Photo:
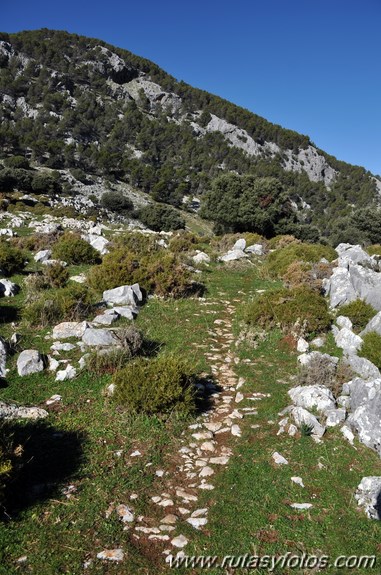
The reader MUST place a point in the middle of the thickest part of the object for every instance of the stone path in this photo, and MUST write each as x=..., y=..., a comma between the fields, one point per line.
x=205, y=448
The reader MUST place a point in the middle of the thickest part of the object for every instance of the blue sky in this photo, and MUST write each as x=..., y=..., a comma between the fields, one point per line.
x=310, y=65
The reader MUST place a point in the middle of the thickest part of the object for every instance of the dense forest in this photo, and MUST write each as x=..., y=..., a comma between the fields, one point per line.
x=70, y=102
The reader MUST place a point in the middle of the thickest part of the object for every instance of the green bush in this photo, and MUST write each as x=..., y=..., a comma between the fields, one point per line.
x=374, y=250
x=71, y=303
x=359, y=312
x=17, y=162
x=72, y=249
x=279, y=260
x=161, y=218
x=160, y=386
x=371, y=348
x=183, y=243
x=117, y=202
x=158, y=273
x=12, y=260
x=44, y=183
x=55, y=276
x=285, y=308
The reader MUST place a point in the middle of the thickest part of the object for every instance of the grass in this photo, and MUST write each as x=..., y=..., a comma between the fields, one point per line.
x=87, y=442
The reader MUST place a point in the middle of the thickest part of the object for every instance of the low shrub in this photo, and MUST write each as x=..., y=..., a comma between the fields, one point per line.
x=301, y=273
x=55, y=276
x=156, y=386
x=371, y=348
x=159, y=273
x=36, y=242
x=72, y=249
x=17, y=162
x=302, y=311
x=71, y=303
x=183, y=243
x=359, y=312
x=44, y=183
x=281, y=241
x=159, y=217
x=12, y=260
x=117, y=202
x=374, y=250
x=138, y=243
x=279, y=260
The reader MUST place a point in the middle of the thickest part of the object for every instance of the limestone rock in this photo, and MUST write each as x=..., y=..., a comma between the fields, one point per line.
x=68, y=329
x=255, y=249
x=19, y=412
x=123, y=295
x=279, y=459
x=312, y=396
x=68, y=373
x=368, y=496
x=348, y=341
x=29, y=361
x=3, y=358
x=362, y=366
x=303, y=417
x=42, y=256
x=99, y=338
x=8, y=288
x=201, y=257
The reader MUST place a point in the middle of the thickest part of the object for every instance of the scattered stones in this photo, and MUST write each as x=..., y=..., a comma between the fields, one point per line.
x=179, y=541
x=68, y=373
x=298, y=481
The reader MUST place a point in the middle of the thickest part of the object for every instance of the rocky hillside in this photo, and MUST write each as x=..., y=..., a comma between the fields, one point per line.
x=71, y=103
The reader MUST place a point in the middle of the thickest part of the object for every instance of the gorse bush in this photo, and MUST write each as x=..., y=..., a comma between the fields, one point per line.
x=71, y=303
x=156, y=386
x=12, y=260
x=301, y=310
x=278, y=261
x=306, y=274
x=72, y=249
x=371, y=348
x=55, y=276
x=359, y=312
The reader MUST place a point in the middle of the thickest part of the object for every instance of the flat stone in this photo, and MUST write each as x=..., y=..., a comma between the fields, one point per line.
x=179, y=541
x=279, y=459
x=111, y=555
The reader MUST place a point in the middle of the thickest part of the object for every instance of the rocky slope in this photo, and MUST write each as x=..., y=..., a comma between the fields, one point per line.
x=70, y=102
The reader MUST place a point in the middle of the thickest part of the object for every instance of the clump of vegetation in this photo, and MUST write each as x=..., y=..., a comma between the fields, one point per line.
x=159, y=217
x=183, y=242
x=157, y=386
x=158, y=273
x=72, y=249
x=55, y=276
x=71, y=303
x=12, y=260
x=306, y=274
x=371, y=348
x=374, y=250
x=117, y=202
x=322, y=371
x=301, y=310
x=359, y=312
x=282, y=241
x=36, y=242
x=279, y=261
x=17, y=162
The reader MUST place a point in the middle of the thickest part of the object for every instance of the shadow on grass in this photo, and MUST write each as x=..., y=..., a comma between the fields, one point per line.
x=45, y=457
x=9, y=313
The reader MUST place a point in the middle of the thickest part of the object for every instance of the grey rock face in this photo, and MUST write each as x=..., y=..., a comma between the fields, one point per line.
x=368, y=496
x=362, y=366
x=366, y=415
x=353, y=254
x=123, y=295
x=362, y=391
x=99, y=338
x=374, y=324
x=303, y=417
x=19, y=412
x=29, y=361
x=312, y=396
x=347, y=340
x=68, y=329
x=8, y=288
x=335, y=417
